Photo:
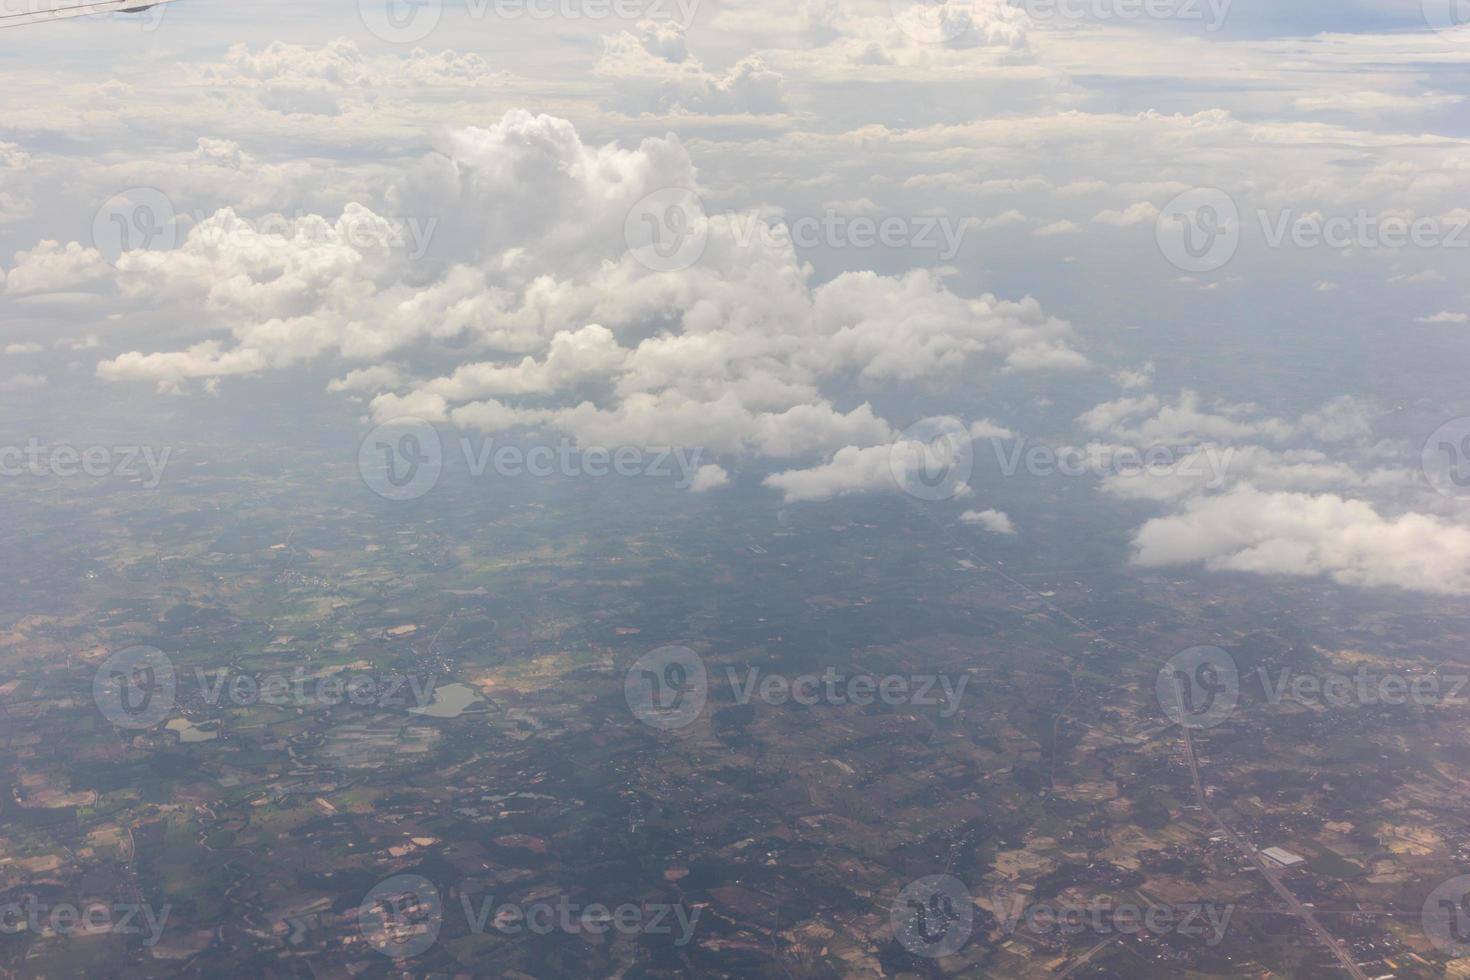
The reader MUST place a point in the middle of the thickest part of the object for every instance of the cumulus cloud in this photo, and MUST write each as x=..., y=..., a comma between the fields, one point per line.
x=1141, y=378
x=558, y=323
x=573, y=355
x=1146, y=421
x=1341, y=419
x=319, y=79
x=1055, y=228
x=203, y=360
x=954, y=37
x=986, y=429
x=709, y=477
x=653, y=72
x=53, y=267
x=23, y=382
x=1006, y=219
x=14, y=205
x=1130, y=473
x=903, y=463
x=1137, y=214
x=1298, y=534
x=1245, y=492
x=525, y=309
x=992, y=520
x=851, y=470
x=374, y=378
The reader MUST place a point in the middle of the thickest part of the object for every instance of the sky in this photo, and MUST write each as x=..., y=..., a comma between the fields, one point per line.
x=830, y=243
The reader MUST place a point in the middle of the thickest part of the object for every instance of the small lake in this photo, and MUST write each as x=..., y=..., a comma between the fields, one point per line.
x=190, y=732
x=449, y=701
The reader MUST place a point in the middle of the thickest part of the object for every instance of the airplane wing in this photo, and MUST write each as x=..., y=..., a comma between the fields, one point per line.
x=18, y=13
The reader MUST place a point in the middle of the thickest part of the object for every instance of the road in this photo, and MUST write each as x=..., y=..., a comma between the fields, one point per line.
x=1241, y=844
x=1082, y=960
x=1292, y=902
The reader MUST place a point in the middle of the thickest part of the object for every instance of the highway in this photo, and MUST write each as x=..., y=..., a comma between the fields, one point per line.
x=1292, y=902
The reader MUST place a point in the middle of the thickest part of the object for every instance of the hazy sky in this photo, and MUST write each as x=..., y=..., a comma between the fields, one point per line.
x=788, y=233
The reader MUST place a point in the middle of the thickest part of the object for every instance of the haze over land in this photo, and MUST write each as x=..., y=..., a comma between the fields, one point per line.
x=777, y=465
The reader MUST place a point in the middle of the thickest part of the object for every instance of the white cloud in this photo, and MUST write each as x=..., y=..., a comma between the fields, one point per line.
x=883, y=467
x=374, y=378
x=851, y=470
x=709, y=477
x=1146, y=421
x=1298, y=534
x=559, y=326
x=1006, y=219
x=53, y=267
x=1141, y=378
x=525, y=310
x=203, y=360
x=1339, y=420
x=992, y=520
x=1289, y=508
x=320, y=80
x=654, y=72
x=1136, y=214
x=23, y=382
x=986, y=429
x=1063, y=227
